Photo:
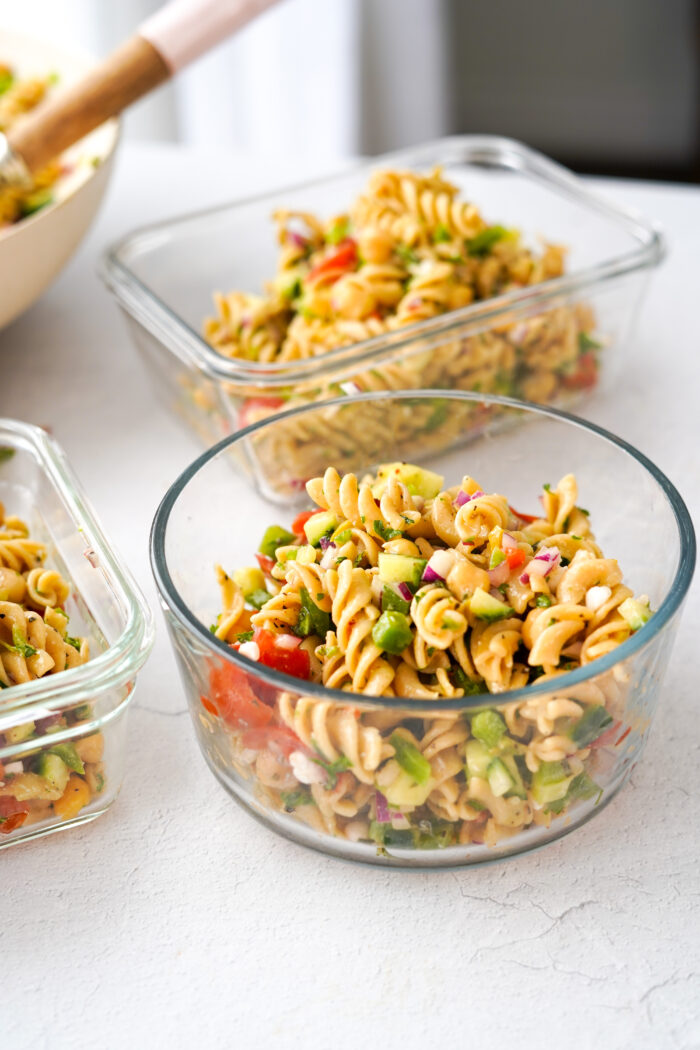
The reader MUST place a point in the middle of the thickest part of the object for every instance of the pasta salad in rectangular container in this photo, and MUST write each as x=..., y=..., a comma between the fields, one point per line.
x=471, y=263
x=74, y=631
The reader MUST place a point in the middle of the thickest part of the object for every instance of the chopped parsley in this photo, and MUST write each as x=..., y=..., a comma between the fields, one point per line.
x=339, y=765
x=75, y=642
x=441, y=234
x=385, y=531
x=292, y=799
x=407, y=255
x=586, y=342
x=543, y=601
x=484, y=241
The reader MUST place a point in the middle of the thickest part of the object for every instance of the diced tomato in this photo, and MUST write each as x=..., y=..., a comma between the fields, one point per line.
x=515, y=558
x=233, y=699
x=624, y=736
x=275, y=652
x=301, y=520
x=12, y=814
x=585, y=375
x=523, y=517
x=265, y=562
x=277, y=738
x=208, y=705
x=336, y=264
x=256, y=408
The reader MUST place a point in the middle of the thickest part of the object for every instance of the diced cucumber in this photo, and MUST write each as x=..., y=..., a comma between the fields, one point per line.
x=581, y=788
x=410, y=759
x=518, y=787
x=393, y=601
x=69, y=755
x=273, y=537
x=500, y=780
x=418, y=480
x=406, y=792
x=478, y=759
x=400, y=568
x=486, y=607
x=392, y=632
x=385, y=835
x=635, y=612
x=258, y=598
x=16, y=734
x=488, y=726
x=53, y=770
x=590, y=725
x=320, y=525
x=249, y=580
x=550, y=783
x=82, y=712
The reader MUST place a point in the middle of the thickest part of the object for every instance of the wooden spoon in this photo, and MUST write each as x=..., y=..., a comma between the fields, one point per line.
x=166, y=42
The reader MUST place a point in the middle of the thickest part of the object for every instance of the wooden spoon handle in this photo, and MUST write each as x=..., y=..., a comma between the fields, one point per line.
x=177, y=34
x=131, y=71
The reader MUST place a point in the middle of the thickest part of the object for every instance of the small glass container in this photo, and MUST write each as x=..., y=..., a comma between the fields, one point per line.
x=549, y=343
x=589, y=725
x=78, y=714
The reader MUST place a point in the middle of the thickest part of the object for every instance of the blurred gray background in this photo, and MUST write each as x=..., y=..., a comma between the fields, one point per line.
x=608, y=86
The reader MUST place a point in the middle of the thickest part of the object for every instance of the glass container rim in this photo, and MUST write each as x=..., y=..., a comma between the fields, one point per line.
x=158, y=318
x=671, y=603
x=121, y=660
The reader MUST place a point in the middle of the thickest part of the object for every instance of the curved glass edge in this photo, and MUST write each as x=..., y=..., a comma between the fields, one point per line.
x=639, y=640
x=151, y=312
x=121, y=660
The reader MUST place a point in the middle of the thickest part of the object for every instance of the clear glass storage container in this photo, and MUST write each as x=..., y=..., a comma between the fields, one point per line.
x=62, y=735
x=549, y=343
x=588, y=725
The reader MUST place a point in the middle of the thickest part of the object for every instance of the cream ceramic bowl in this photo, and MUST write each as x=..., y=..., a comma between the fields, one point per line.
x=33, y=251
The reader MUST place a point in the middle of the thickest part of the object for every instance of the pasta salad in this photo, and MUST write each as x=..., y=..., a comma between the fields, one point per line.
x=19, y=95
x=35, y=642
x=396, y=586
x=409, y=249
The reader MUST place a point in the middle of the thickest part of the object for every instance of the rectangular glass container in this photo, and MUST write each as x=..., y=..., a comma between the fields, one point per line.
x=80, y=710
x=550, y=343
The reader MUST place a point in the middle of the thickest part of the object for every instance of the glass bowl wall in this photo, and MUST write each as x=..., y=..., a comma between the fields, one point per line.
x=551, y=343
x=219, y=508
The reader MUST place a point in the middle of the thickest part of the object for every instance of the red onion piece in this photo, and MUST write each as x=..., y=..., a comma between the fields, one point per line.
x=325, y=542
x=438, y=567
x=405, y=592
x=543, y=562
x=382, y=808
x=509, y=544
x=287, y=641
x=297, y=240
x=464, y=497
x=500, y=574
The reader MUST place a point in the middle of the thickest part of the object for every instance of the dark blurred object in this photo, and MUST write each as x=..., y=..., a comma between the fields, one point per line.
x=610, y=88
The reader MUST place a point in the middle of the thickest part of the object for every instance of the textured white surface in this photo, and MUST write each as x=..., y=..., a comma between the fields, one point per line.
x=175, y=920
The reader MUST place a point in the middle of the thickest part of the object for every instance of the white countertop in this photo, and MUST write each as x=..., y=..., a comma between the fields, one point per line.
x=176, y=920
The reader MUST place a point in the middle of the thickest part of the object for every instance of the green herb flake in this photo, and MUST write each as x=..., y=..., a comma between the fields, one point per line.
x=587, y=342
x=75, y=642
x=543, y=601
x=244, y=636
x=292, y=799
x=483, y=242
x=407, y=255
x=385, y=531
x=441, y=234
x=332, y=768
x=338, y=232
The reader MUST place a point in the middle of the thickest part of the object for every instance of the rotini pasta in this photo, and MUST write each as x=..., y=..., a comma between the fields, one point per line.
x=452, y=593
x=409, y=249
x=34, y=644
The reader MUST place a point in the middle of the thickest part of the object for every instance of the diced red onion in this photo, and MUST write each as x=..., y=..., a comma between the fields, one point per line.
x=382, y=808
x=464, y=497
x=438, y=567
x=349, y=387
x=325, y=543
x=297, y=240
x=544, y=561
x=500, y=574
x=328, y=556
x=405, y=591
x=509, y=544
x=287, y=641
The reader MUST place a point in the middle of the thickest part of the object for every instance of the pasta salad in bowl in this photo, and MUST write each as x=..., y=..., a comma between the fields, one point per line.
x=428, y=665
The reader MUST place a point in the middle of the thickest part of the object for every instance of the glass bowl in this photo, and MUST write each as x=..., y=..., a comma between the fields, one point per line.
x=552, y=342
x=218, y=509
x=75, y=719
